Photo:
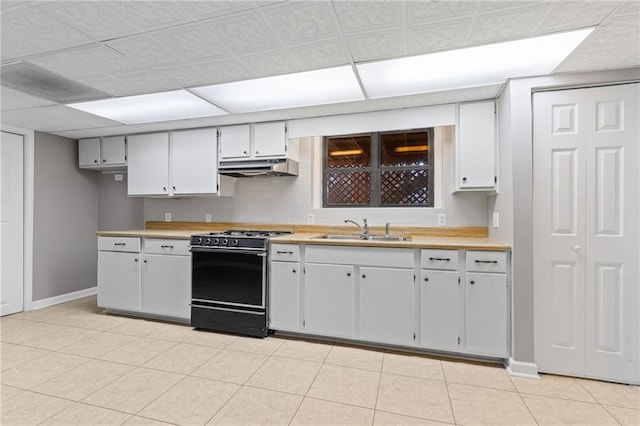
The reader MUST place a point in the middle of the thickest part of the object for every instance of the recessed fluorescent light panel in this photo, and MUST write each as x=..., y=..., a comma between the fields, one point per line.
x=327, y=86
x=165, y=106
x=469, y=67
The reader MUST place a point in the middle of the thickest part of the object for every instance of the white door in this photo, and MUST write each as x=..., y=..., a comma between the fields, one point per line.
x=587, y=233
x=194, y=161
x=235, y=141
x=166, y=285
x=11, y=223
x=148, y=168
x=89, y=152
x=284, y=296
x=440, y=314
x=114, y=151
x=269, y=140
x=119, y=280
x=486, y=314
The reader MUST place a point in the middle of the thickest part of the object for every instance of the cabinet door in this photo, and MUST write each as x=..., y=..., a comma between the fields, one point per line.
x=194, y=162
x=386, y=305
x=284, y=296
x=235, y=141
x=269, y=140
x=486, y=316
x=114, y=151
x=89, y=152
x=148, y=169
x=166, y=285
x=440, y=307
x=119, y=280
x=476, y=145
x=329, y=300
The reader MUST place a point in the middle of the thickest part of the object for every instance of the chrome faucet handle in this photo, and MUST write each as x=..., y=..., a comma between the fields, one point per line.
x=365, y=228
x=386, y=229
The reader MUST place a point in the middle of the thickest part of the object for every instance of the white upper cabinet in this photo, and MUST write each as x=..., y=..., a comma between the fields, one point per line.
x=102, y=153
x=194, y=162
x=235, y=141
x=476, y=147
x=270, y=140
x=148, y=164
x=177, y=163
x=250, y=141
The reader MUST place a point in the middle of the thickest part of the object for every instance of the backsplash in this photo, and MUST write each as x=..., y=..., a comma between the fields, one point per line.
x=291, y=200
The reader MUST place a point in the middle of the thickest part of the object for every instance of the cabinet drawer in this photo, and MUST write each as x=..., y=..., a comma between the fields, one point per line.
x=487, y=261
x=166, y=246
x=364, y=256
x=128, y=244
x=285, y=252
x=439, y=259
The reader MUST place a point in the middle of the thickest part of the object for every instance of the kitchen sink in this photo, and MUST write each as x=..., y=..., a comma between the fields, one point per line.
x=360, y=237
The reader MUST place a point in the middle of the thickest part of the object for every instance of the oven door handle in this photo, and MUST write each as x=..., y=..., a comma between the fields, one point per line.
x=260, y=253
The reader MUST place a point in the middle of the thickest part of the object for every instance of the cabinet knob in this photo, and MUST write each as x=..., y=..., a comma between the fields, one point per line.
x=164, y=188
x=294, y=271
x=426, y=279
x=364, y=276
x=95, y=161
x=245, y=152
x=135, y=260
x=104, y=161
x=257, y=152
x=576, y=248
x=464, y=179
x=348, y=274
x=145, y=261
x=174, y=188
x=472, y=282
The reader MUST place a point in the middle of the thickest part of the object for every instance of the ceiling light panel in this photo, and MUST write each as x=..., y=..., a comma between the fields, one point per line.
x=332, y=85
x=174, y=105
x=469, y=67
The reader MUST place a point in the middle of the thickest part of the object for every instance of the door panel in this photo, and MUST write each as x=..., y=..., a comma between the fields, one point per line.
x=587, y=272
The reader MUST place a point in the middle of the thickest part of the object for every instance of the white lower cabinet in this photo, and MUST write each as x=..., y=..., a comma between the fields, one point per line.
x=386, y=305
x=166, y=285
x=440, y=310
x=486, y=314
x=284, y=296
x=329, y=299
x=119, y=280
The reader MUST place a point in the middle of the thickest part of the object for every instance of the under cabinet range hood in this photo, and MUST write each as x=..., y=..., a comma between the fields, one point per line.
x=259, y=168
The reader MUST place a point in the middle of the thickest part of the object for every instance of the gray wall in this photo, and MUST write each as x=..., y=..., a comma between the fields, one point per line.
x=65, y=219
x=517, y=200
x=116, y=210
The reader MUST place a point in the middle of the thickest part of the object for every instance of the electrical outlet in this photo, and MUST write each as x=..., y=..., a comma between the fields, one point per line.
x=167, y=217
x=496, y=219
x=310, y=219
x=118, y=177
x=207, y=217
x=442, y=219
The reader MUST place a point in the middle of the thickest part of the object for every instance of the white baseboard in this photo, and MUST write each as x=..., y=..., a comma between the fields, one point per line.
x=43, y=303
x=528, y=370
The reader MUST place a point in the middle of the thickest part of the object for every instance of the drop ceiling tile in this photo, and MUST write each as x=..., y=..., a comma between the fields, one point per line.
x=378, y=45
x=145, y=52
x=437, y=36
x=192, y=43
x=184, y=75
x=490, y=5
x=206, y=9
x=429, y=11
x=575, y=14
x=99, y=131
x=301, y=22
x=149, y=15
x=93, y=18
x=14, y=99
x=594, y=59
x=54, y=118
x=224, y=71
x=368, y=15
x=271, y=63
x=614, y=32
x=135, y=84
x=506, y=24
x=246, y=33
x=87, y=63
x=12, y=6
x=323, y=54
x=31, y=31
x=632, y=59
x=629, y=7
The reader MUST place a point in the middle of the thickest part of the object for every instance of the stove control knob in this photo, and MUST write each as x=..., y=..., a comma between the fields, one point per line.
x=198, y=240
x=207, y=241
x=216, y=241
x=225, y=242
x=234, y=242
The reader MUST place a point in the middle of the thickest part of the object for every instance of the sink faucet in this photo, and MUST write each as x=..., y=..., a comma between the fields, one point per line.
x=364, y=229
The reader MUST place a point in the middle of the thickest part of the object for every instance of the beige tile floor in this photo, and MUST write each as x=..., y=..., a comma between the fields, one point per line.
x=71, y=364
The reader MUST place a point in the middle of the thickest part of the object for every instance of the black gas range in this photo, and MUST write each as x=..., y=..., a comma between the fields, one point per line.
x=229, y=281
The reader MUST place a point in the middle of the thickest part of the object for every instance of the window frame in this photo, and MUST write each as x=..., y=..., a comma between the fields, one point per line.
x=376, y=169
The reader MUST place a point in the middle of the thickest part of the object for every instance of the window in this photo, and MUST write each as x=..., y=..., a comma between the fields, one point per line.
x=390, y=169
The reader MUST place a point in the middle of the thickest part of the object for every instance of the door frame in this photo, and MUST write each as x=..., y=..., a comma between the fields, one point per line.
x=29, y=175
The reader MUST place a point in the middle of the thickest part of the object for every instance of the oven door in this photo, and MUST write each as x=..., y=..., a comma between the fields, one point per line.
x=229, y=277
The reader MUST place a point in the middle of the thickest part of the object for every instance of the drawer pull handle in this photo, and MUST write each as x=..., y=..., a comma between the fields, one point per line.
x=165, y=246
x=119, y=244
x=284, y=252
x=486, y=261
x=472, y=282
x=444, y=259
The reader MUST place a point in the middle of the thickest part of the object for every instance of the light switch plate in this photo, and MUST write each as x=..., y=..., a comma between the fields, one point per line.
x=207, y=217
x=118, y=176
x=496, y=219
x=310, y=218
x=167, y=217
x=442, y=219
